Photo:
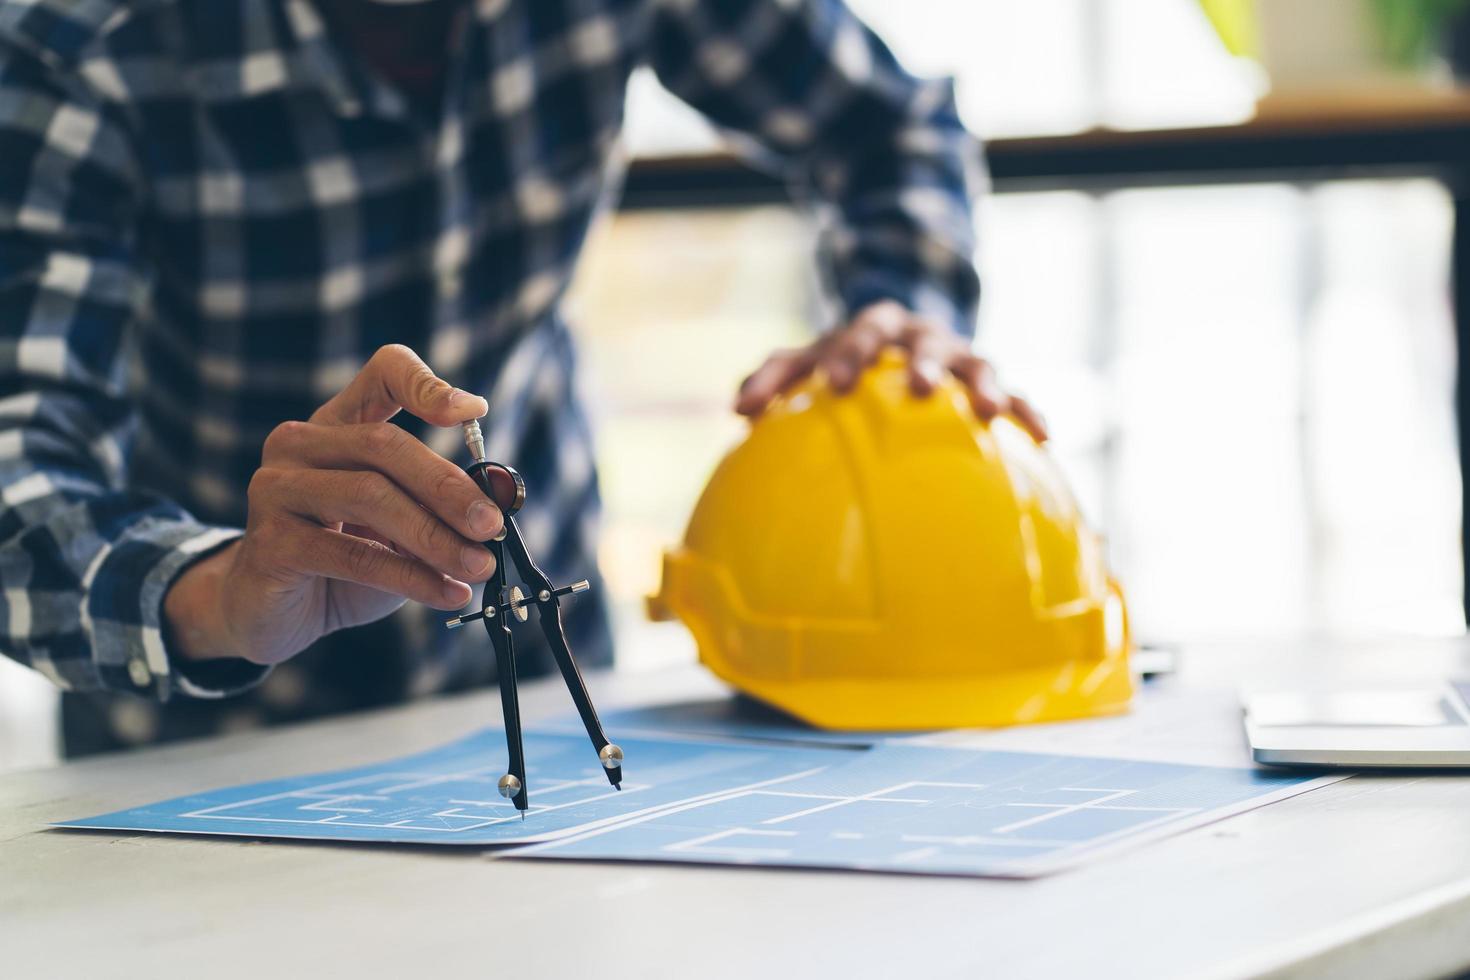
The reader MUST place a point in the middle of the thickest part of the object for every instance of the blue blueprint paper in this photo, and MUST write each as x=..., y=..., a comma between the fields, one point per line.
x=932, y=810
x=894, y=807
x=448, y=795
x=722, y=717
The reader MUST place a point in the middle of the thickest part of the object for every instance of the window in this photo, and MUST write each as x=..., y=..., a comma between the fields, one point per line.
x=1250, y=385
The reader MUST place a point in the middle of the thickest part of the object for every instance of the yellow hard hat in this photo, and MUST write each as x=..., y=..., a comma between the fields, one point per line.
x=881, y=561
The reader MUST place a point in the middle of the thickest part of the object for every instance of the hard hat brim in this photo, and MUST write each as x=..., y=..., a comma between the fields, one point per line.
x=771, y=659
x=1015, y=698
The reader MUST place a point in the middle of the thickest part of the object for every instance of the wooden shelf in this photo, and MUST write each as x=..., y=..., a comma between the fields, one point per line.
x=1298, y=138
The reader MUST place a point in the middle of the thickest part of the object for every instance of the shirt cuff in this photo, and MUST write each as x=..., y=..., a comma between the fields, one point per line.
x=122, y=613
x=915, y=294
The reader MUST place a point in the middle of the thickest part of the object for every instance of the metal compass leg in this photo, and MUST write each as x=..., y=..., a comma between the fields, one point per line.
x=513, y=784
x=547, y=601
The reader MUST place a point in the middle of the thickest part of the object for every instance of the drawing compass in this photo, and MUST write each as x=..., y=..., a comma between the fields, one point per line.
x=506, y=605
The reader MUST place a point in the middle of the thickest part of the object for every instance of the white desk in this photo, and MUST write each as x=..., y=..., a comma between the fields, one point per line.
x=1365, y=878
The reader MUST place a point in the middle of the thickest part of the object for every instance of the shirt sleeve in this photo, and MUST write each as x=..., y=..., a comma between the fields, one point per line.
x=84, y=560
x=809, y=87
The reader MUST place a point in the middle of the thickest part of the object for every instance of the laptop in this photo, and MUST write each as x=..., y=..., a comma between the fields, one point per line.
x=1412, y=727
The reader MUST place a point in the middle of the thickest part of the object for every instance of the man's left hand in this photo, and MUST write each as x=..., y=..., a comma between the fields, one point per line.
x=932, y=350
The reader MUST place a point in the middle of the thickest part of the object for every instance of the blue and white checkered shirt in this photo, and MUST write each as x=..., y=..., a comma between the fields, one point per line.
x=211, y=214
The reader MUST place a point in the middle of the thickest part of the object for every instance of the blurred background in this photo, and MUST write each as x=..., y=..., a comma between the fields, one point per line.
x=1250, y=384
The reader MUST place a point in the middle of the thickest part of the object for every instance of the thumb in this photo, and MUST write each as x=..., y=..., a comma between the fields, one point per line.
x=397, y=378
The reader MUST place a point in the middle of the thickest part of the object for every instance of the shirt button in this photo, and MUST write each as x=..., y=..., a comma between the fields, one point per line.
x=139, y=673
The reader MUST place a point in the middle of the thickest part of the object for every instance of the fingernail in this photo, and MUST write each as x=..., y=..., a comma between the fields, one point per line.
x=484, y=518
x=456, y=592
x=928, y=370
x=476, y=560
x=459, y=400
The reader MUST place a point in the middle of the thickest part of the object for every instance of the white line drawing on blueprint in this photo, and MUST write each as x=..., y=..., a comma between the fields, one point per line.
x=781, y=836
x=353, y=802
x=722, y=842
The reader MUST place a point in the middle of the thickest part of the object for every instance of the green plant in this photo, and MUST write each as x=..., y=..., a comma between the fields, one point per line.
x=1409, y=30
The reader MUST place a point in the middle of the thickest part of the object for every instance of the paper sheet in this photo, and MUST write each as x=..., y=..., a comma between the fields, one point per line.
x=918, y=809
x=897, y=806
x=720, y=717
x=448, y=795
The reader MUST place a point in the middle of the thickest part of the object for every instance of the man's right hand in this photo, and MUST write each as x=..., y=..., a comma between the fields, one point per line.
x=349, y=516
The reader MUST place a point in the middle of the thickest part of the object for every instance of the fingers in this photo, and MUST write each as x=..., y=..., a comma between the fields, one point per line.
x=430, y=479
x=978, y=378
x=358, y=531
x=988, y=400
x=779, y=372
x=844, y=354
x=848, y=354
x=347, y=468
x=315, y=550
x=930, y=350
x=933, y=349
x=371, y=500
x=1031, y=420
x=396, y=378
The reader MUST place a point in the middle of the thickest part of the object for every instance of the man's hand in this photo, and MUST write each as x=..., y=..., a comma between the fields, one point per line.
x=932, y=350
x=349, y=516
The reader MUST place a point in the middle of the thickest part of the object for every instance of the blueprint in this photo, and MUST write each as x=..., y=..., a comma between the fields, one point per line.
x=448, y=796
x=722, y=717
x=893, y=807
x=925, y=810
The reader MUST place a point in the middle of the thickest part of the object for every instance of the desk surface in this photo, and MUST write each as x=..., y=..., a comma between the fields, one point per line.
x=1367, y=877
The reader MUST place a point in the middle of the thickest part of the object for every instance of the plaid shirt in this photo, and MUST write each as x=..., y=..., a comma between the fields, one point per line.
x=211, y=215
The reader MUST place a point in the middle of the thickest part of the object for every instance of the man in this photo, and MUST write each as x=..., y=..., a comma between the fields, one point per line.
x=226, y=227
